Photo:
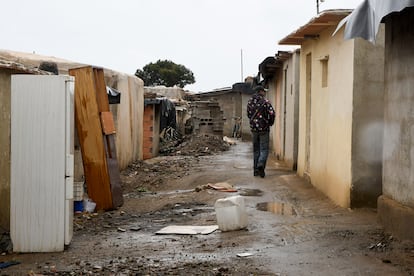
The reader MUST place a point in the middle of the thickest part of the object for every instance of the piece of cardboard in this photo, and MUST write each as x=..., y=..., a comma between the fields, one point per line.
x=188, y=230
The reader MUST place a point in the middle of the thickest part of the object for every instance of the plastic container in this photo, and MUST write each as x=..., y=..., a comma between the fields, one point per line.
x=89, y=205
x=78, y=206
x=231, y=214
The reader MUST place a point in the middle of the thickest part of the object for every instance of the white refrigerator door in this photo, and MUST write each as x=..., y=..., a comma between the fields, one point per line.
x=69, y=166
x=38, y=163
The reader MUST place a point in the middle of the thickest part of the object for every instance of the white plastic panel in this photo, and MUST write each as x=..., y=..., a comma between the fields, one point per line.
x=70, y=115
x=69, y=167
x=38, y=127
x=69, y=210
x=69, y=188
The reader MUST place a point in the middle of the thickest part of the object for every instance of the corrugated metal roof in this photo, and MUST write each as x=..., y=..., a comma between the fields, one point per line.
x=315, y=26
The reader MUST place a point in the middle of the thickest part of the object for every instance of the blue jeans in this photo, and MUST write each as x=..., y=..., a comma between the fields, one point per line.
x=260, y=149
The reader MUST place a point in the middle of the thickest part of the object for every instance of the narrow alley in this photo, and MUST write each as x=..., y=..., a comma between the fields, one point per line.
x=292, y=228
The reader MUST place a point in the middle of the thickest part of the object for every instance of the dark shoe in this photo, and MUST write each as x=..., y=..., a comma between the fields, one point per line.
x=261, y=172
x=256, y=173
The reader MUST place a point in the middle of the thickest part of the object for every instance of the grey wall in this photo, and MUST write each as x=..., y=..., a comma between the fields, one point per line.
x=396, y=205
x=367, y=127
x=398, y=166
x=246, y=133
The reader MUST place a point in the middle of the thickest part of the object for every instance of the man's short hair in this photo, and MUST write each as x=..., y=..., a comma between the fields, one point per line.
x=259, y=88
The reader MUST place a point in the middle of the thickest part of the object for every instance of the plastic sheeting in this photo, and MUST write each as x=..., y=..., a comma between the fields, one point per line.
x=168, y=116
x=114, y=96
x=365, y=20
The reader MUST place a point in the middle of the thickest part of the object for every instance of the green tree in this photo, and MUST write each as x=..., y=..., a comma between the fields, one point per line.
x=165, y=72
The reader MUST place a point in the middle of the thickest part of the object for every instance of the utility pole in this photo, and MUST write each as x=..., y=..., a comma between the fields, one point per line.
x=241, y=64
x=317, y=5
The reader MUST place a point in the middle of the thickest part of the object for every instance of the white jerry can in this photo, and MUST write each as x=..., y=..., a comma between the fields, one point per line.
x=231, y=214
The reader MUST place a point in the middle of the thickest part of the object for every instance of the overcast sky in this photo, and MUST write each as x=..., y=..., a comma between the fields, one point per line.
x=220, y=41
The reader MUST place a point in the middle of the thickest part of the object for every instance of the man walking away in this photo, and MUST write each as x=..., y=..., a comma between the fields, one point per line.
x=261, y=117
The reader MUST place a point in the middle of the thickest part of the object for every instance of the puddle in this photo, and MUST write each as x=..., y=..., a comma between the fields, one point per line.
x=279, y=208
x=149, y=193
x=251, y=192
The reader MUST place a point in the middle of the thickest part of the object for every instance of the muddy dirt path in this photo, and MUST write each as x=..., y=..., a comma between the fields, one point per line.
x=300, y=232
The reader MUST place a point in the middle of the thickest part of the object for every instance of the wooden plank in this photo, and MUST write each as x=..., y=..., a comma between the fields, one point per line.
x=109, y=138
x=88, y=124
x=107, y=121
x=101, y=95
x=114, y=175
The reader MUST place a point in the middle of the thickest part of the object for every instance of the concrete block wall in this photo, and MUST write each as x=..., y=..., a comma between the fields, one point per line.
x=207, y=117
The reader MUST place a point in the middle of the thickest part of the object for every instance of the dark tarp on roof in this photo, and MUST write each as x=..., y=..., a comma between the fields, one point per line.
x=242, y=87
x=168, y=117
x=269, y=66
x=364, y=21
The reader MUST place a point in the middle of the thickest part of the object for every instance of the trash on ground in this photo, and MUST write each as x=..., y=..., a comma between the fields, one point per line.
x=220, y=186
x=246, y=254
x=135, y=228
x=229, y=140
x=89, y=205
x=188, y=229
x=7, y=264
x=251, y=192
x=230, y=213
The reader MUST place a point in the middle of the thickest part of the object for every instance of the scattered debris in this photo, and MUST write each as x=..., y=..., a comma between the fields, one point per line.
x=5, y=242
x=228, y=140
x=379, y=245
x=220, y=186
x=246, y=254
x=149, y=174
x=169, y=139
x=7, y=264
x=135, y=228
x=251, y=192
x=196, y=145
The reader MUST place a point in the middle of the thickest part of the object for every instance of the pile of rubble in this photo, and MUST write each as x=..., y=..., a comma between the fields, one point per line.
x=174, y=162
x=199, y=144
x=143, y=176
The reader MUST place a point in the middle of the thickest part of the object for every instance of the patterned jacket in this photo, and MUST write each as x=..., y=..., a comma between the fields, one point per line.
x=260, y=113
